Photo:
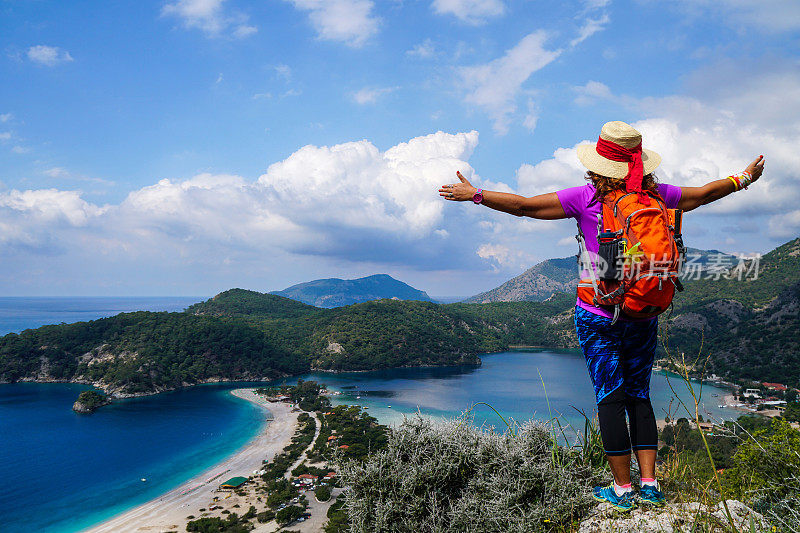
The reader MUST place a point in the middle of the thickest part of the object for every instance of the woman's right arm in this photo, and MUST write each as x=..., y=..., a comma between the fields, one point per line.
x=543, y=206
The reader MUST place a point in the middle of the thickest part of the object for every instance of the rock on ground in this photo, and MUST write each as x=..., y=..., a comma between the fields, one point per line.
x=672, y=518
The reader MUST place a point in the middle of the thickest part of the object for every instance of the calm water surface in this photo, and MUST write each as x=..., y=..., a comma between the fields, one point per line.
x=18, y=314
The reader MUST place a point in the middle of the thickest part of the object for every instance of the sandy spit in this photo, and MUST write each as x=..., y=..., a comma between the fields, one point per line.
x=168, y=512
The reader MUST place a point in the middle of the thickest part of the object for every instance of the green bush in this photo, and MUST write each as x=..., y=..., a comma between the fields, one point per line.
x=287, y=515
x=449, y=476
x=323, y=493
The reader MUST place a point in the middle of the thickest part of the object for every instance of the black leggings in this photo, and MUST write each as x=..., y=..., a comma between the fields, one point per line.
x=614, y=430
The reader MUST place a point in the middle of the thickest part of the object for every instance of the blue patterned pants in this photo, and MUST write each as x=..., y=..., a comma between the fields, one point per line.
x=620, y=359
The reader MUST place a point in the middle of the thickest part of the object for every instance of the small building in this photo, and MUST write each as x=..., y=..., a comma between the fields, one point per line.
x=330, y=475
x=775, y=386
x=705, y=426
x=343, y=447
x=312, y=477
x=233, y=483
x=333, y=437
x=751, y=393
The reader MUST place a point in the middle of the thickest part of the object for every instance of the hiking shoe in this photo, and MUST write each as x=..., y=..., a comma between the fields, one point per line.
x=624, y=503
x=652, y=496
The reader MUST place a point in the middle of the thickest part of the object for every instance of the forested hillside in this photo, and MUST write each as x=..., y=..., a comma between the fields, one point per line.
x=749, y=326
x=241, y=334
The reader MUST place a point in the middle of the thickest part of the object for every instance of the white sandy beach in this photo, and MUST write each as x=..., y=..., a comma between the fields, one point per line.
x=168, y=512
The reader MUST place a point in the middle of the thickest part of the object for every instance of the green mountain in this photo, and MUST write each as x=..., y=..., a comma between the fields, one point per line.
x=335, y=292
x=748, y=326
x=536, y=284
x=544, y=279
x=246, y=335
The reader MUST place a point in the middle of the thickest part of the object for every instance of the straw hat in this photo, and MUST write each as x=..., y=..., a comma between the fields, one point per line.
x=624, y=135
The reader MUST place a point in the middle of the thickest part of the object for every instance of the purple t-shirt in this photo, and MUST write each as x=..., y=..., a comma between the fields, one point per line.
x=575, y=202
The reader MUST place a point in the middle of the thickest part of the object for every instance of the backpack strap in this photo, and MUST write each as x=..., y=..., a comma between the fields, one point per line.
x=585, y=260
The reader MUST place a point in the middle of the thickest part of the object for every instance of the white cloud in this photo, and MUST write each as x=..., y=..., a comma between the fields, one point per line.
x=62, y=173
x=39, y=220
x=355, y=185
x=370, y=95
x=351, y=22
x=284, y=72
x=48, y=56
x=57, y=172
x=5, y=117
x=19, y=149
x=589, y=28
x=495, y=86
x=532, y=118
x=473, y=12
x=592, y=92
x=244, y=30
x=209, y=17
x=774, y=16
x=424, y=50
x=349, y=201
x=500, y=256
x=550, y=175
x=710, y=135
x=5, y=135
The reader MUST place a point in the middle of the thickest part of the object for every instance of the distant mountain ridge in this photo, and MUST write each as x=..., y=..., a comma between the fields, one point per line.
x=536, y=284
x=335, y=292
x=544, y=279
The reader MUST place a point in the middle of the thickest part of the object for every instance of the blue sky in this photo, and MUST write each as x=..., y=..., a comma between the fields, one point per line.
x=188, y=146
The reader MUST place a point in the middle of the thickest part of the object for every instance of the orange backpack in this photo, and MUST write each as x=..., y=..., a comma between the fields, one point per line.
x=640, y=257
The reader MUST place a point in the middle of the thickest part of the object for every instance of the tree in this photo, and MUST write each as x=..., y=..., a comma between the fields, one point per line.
x=323, y=493
x=287, y=515
x=668, y=435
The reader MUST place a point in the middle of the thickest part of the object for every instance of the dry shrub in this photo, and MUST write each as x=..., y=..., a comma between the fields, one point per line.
x=438, y=476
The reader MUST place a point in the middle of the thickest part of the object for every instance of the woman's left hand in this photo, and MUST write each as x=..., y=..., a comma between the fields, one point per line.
x=458, y=192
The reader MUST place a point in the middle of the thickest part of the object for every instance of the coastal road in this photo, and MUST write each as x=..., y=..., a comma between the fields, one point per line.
x=304, y=455
x=169, y=511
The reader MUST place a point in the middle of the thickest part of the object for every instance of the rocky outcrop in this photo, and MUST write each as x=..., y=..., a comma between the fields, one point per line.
x=673, y=518
x=89, y=401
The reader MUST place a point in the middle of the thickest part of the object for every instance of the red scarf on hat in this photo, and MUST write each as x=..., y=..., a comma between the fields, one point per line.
x=632, y=156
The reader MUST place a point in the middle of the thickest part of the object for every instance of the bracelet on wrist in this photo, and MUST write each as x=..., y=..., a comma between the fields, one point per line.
x=741, y=180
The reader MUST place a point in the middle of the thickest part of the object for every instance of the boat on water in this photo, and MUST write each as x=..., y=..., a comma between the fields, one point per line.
x=389, y=406
x=144, y=479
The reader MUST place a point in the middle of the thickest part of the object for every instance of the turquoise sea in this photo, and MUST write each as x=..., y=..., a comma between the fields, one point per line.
x=64, y=471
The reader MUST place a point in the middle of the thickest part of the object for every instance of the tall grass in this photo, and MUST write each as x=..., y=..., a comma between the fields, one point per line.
x=683, y=370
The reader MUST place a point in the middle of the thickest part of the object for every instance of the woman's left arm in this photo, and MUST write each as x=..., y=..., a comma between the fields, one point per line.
x=694, y=197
